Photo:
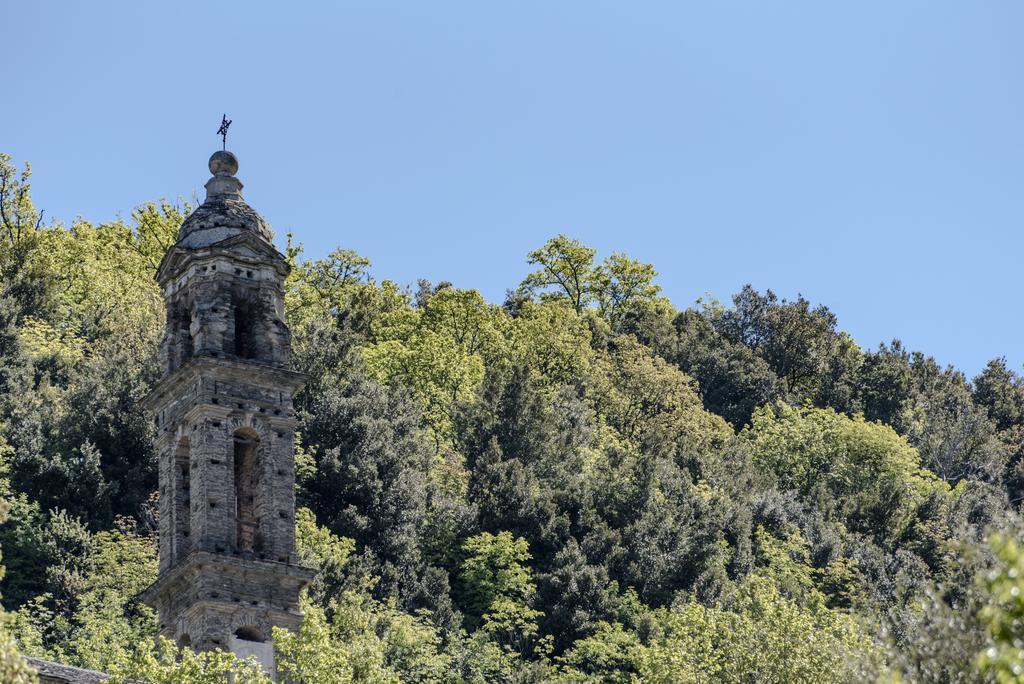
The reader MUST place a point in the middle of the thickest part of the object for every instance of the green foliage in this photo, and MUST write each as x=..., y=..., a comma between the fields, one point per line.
x=799, y=343
x=323, y=552
x=1001, y=391
x=1003, y=616
x=13, y=669
x=372, y=472
x=611, y=655
x=366, y=641
x=109, y=619
x=163, y=663
x=767, y=638
x=733, y=380
x=323, y=286
x=622, y=288
x=552, y=340
x=871, y=475
x=493, y=580
x=566, y=272
x=641, y=395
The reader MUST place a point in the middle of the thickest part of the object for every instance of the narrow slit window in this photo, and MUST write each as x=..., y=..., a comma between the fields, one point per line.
x=245, y=330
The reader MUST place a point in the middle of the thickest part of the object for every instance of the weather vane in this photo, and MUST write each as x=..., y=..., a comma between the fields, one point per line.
x=223, y=131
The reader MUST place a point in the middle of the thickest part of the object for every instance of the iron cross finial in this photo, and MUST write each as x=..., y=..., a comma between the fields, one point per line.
x=223, y=131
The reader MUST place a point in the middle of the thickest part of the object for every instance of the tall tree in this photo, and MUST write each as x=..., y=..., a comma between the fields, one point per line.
x=566, y=271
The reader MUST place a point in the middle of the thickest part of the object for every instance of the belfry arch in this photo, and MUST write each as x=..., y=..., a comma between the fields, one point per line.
x=246, y=462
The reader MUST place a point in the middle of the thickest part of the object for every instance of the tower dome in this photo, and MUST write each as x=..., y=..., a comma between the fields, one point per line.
x=224, y=214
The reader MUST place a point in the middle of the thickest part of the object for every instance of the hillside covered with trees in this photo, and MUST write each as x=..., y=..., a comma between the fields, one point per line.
x=583, y=483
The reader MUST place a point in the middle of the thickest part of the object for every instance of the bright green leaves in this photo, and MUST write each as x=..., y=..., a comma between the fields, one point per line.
x=92, y=616
x=106, y=290
x=610, y=655
x=346, y=635
x=767, y=637
x=366, y=641
x=1003, y=616
x=621, y=285
x=552, y=340
x=437, y=369
x=19, y=223
x=567, y=272
x=641, y=396
x=471, y=323
x=494, y=571
x=163, y=663
x=320, y=287
x=322, y=551
x=110, y=619
x=496, y=589
x=441, y=349
x=873, y=475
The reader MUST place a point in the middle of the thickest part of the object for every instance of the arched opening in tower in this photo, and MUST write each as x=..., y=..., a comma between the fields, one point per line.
x=246, y=482
x=250, y=633
x=245, y=331
x=182, y=498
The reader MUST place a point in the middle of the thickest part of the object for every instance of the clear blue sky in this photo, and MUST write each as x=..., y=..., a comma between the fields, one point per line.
x=869, y=155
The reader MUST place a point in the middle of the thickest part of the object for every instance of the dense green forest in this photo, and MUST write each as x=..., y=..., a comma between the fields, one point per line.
x=583, y=483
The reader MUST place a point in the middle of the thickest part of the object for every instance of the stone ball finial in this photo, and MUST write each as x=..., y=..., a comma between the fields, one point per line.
x=223, y=163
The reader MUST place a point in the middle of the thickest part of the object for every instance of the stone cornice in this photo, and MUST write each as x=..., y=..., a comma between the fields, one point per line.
x=276, y=573
x=197, y=366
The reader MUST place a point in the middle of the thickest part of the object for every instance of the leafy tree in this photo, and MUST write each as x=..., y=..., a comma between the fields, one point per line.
x=1003, y=615
x=372, y=466
x=164, y=663
x=110, y=620
x=887, y=386
x=553, y=341
x=870, y=474
x=20, y=225
x=440, y=350
x=622, y=285
x=566, y=272
x=732, y=379
x=767, y=638
x=366, y=641
x=611, y=655
x=325, y=286
x=324, y=552
x=463, y=316
x=954, y=435
x=495, y=587
x=577, y=595
x=13, y=668
x=799, y=343
x=1001, y=391
x=639, y=394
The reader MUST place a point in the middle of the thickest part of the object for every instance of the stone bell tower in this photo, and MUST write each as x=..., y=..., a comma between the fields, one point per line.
x=223, y=414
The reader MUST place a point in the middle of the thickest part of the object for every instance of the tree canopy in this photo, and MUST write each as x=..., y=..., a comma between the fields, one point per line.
x=583, y=483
